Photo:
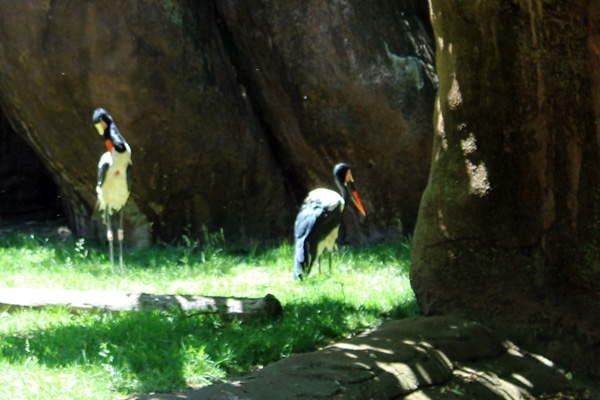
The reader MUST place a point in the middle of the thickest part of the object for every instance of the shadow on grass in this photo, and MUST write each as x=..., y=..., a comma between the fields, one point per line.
x=162, y=352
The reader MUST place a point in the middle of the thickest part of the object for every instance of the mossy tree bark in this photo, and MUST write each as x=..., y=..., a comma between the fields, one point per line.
x=509, y=226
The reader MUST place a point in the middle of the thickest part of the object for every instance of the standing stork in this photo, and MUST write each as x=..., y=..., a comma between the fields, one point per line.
x=318, y=222
x=114, y=178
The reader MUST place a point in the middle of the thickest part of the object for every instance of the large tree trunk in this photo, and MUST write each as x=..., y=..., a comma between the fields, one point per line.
x=509, y=225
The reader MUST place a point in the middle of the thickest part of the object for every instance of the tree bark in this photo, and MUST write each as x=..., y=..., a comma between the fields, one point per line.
x=113, y=301
x=508, y=230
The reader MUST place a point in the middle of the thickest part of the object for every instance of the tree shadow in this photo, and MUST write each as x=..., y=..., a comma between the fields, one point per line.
x=164, y=351
x=397, y=361
x=416, y=358
x=141, y=347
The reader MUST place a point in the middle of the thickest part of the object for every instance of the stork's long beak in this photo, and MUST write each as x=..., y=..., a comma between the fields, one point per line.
x=354, y=194
x=357, y=202
x=99, y=128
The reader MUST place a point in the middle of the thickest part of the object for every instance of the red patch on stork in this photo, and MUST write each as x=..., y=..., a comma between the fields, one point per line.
x=109, y=145
x=118, y=173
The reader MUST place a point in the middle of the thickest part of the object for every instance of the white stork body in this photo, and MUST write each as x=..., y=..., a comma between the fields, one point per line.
x=114, y=178
x=318, y=221
x=330, y=200
x=113, y=190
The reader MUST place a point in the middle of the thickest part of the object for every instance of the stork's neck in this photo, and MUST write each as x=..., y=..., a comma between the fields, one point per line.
x=114, y=140
x=341, y=188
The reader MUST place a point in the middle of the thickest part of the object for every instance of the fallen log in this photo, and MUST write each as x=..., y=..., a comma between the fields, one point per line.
x=115, y=301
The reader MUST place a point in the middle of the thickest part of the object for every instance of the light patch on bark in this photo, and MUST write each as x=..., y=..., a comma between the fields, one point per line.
x=440, y=44
x=478, y=178
x=454, y=95
x=442, y=224
x=469, y=145
x=439, y=126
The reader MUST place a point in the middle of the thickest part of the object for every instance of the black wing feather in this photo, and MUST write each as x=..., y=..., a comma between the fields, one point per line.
x=307, y=218
x=102, y=170
x=129, y=176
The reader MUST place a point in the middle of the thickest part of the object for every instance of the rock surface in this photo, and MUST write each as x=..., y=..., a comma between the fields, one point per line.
x=161, y=72
x=508, y=230
x=424, y=358
x=233, y=111
x=350, y=81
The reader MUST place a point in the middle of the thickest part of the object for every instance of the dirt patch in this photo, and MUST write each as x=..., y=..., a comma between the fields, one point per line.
x=417, y=359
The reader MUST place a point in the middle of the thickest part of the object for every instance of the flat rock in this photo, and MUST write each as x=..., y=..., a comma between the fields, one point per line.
x=419, y=358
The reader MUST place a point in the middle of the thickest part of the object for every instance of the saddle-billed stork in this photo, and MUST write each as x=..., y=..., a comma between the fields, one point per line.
x=318, y=221
x=114, y=178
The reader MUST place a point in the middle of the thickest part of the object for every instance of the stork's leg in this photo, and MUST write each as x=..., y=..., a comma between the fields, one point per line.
x=121, y=235
x=319, y=262
x=330, y=260
x=109, y=236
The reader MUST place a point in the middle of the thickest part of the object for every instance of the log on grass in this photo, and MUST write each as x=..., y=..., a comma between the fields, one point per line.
x=113, y=301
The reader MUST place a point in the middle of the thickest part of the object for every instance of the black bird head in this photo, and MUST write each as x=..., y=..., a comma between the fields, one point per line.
x=343, y=178
x=100, y=115
x=106, y=127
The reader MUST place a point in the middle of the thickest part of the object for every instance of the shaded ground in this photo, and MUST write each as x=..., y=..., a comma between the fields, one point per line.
x=415, y=359
x=27, y=191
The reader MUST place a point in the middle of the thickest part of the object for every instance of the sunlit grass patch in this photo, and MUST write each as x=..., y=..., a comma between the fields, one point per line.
x=111, y=356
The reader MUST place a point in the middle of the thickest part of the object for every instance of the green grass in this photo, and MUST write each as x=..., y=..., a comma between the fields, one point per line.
x=50, y=353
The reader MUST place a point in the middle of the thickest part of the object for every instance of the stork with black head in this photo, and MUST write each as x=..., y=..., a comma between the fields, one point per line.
x=318, y=221
x=114, y=178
